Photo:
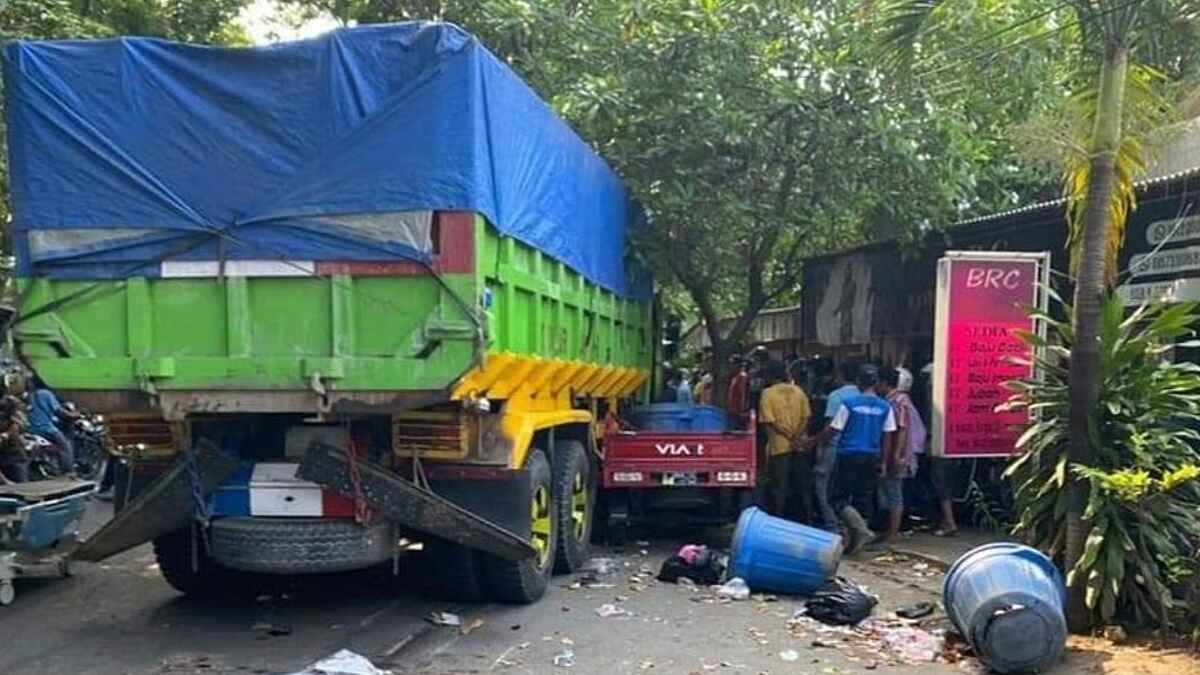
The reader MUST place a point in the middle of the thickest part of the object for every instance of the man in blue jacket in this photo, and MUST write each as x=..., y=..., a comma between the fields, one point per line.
x=44, y=413
x=865, y=425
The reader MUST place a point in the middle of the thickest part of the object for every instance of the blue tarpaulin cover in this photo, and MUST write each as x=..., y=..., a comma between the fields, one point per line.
x=129, y=151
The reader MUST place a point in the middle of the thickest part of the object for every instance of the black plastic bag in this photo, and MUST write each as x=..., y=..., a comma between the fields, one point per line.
x=840, y=603
x=708, y=569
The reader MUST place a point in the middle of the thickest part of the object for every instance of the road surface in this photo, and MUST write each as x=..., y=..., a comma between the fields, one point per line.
x=120, y=617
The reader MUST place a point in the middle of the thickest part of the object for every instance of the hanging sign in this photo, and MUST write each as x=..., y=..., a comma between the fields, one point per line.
x=981, y=305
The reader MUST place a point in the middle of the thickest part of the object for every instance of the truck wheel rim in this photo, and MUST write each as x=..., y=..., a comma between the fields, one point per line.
x=579, y=503
x=540, y=537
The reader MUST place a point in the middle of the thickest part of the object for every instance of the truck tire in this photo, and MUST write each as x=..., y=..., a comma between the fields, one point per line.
x=575, y=497
x=452, y=571
x=173, y=553
x=524, y=582
x=299, y=545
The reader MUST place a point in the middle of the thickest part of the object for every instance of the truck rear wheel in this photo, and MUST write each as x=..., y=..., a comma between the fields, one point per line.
x=575, y=498
x=525, y=581
x=204, y=578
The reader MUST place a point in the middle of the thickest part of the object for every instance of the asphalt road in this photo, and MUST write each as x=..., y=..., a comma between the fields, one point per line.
x=120, y=617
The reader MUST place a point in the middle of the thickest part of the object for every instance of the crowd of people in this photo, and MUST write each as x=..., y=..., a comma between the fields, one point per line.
x=843, y=449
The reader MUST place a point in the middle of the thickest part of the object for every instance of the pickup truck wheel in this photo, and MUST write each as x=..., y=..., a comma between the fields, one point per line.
x=575, y=497
x=452, y=571
x=525, y=581
x=173, y=552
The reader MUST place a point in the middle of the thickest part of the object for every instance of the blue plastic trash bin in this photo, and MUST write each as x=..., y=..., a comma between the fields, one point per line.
x=1008, y=600
x=679, y=417
x=773, y=554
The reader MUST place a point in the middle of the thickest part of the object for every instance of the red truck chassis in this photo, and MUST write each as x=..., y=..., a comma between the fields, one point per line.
x=676, y=476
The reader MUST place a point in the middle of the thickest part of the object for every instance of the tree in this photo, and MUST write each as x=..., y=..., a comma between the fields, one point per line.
x=1100, y=41
x=196, y=21
x=755, y=133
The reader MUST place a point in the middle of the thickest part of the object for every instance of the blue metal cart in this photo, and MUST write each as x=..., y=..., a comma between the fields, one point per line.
x=39, y=524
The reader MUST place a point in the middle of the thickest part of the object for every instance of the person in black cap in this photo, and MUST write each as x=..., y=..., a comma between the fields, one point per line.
x=866, y=426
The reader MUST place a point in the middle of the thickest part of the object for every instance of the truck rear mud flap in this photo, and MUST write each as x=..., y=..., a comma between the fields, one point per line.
x=164, y=506
x=404, y=503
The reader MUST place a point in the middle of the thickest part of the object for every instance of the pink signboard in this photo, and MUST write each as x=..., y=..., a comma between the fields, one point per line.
x=981, y=306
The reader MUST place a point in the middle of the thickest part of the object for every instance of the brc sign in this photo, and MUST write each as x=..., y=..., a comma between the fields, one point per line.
x=981, y=307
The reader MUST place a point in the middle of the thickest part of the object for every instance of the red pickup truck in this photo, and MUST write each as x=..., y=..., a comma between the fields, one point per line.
x=678, y=477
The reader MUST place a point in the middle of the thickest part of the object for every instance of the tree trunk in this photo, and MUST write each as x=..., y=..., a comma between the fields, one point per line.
x=720, y=369
x=1090, y=289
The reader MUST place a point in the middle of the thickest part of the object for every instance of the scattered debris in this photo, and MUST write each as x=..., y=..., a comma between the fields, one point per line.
x=564, y=659
x=734, y=589
x=789, y=655
x=918, y=611
x=444, y=619
x=645, y=665
x=1115, y=634
x=684, y=581
x=822, y=644
x=912, y=645
x=840, y=603
x=609, y=611
x=698, y=563
x=894, y=642
x=471, y=627
x=344, y=662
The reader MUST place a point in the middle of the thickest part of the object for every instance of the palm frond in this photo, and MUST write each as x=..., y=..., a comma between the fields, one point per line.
x=901, y=24
x=1144, y=110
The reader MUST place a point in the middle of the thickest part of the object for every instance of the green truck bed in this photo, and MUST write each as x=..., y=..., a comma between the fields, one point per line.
x=387, y=335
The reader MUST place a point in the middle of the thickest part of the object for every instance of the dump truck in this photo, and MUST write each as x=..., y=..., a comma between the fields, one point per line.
x=335, y=298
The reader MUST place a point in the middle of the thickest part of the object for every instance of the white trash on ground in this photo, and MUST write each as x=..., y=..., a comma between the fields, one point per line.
x=565, y=659
x=609, y=611
x=444, y=619
x=734, y=589
x=344, y=662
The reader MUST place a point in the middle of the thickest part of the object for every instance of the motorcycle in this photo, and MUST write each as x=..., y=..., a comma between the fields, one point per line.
x=89, y=437
x=43, y=457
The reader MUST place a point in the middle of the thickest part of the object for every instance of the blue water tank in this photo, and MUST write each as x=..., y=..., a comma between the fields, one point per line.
x=1008, y=600
x=773, y=554
x=679, y=417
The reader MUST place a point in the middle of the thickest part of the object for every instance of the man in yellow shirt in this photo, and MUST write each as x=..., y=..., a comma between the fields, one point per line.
x=784, y=411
